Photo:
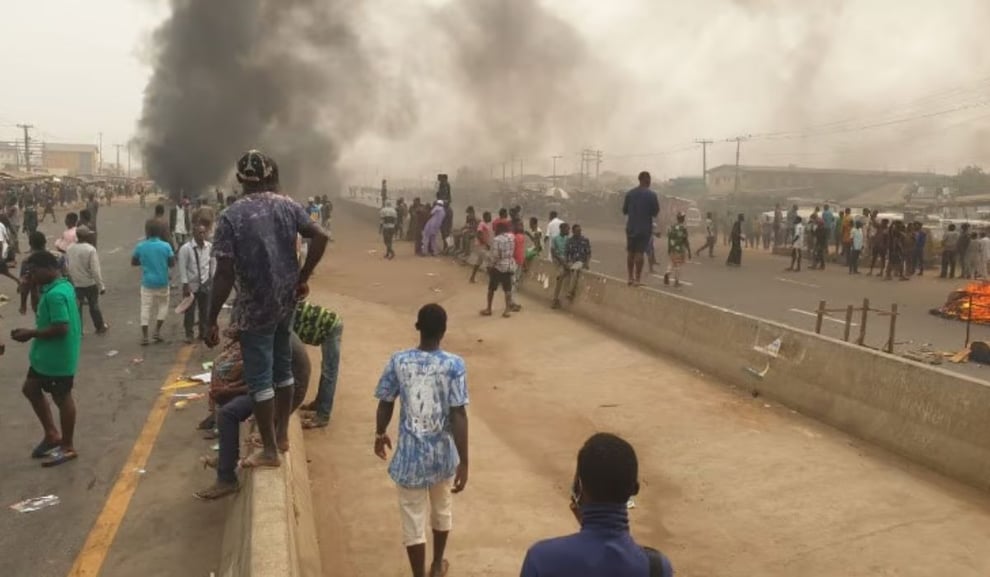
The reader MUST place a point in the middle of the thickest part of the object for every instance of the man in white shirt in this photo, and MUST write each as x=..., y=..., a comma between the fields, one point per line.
x=180, y=222
x=196, y=270
x=797, y=244
x=5, y=252
x=83, y=265
x=553, y=231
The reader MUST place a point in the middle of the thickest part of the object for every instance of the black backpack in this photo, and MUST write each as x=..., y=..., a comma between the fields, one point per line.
x=659, y=564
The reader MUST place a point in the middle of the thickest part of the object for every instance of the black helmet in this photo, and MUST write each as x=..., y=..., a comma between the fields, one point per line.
x=254, y=167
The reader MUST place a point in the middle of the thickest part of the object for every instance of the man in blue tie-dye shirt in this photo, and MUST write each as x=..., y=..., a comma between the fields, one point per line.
x=431, y=457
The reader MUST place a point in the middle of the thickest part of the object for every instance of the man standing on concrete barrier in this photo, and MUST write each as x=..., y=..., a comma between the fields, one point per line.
x=255, y=243
x=431, y=457
x=641, y=206
x=606, y=478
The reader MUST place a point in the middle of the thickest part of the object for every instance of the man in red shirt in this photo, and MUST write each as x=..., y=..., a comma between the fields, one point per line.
x=519, y=255
x=484, y=237
x=503, y=216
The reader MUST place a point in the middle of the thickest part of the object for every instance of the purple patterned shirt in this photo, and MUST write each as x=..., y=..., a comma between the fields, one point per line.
x=259, y=233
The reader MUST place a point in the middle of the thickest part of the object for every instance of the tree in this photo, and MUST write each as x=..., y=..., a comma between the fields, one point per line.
x=972, y=180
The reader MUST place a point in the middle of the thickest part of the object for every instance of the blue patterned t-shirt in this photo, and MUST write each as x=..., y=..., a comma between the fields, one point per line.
x=428, y=383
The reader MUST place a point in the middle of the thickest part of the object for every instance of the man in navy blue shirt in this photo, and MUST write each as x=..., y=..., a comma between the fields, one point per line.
x=606, y=478
x=640, y=207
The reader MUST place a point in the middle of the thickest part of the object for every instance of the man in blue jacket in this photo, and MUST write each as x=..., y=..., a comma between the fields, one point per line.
x=606, y=478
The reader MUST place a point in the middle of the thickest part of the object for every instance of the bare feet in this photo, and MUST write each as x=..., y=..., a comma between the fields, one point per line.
x=259, y=459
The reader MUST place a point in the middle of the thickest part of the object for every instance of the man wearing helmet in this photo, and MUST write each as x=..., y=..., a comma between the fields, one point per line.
x=255, y=244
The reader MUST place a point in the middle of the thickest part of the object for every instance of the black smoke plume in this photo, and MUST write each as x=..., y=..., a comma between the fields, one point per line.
x=289, y=77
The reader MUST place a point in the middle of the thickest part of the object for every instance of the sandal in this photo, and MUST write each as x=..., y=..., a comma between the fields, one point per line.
x=506, y=315
x=59, y=457
x=145, y=342
x=217, y=491
x=486, y=313
x=44, y=448
x=316, y=422
x=159, y=339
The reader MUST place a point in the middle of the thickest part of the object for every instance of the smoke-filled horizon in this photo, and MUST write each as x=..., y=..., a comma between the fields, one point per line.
x=361, y=90
x=832, y=83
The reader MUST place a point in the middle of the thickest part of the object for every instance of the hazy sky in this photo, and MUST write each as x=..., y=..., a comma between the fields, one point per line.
x=865, y=83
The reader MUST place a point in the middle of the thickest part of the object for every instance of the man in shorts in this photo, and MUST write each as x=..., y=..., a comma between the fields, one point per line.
x=502, y=268
x=641, y=206
x=155, y=257
x=431, y=457
x=54, y=358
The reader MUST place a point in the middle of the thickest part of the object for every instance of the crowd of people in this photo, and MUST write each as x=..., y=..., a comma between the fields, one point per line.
x=251, y=249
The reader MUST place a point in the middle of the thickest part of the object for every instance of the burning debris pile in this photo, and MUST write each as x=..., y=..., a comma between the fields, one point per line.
x=971, y=302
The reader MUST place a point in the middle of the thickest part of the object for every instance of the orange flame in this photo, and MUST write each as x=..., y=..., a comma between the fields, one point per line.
x=971, y=302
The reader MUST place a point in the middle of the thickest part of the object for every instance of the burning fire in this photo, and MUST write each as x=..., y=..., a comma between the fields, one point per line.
x=973, y=299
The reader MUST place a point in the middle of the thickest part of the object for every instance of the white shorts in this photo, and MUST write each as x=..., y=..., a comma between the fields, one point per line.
x=413, y=506
x=154, y=302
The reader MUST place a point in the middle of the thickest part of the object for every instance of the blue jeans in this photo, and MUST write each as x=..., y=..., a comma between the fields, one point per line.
x=328, y=371
x=230, y=415
x=268, y=359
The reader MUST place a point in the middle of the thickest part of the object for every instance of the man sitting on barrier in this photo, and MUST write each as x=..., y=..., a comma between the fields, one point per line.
x=232, y=404
x=577, y=257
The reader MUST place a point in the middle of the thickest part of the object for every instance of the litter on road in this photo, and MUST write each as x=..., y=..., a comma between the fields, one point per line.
x=112, y=353
x=36, y=504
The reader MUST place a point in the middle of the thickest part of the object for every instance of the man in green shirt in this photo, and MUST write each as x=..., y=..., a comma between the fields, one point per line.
x=54, y=357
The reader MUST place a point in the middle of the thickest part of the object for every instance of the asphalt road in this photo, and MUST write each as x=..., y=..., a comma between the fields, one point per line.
x=114, y=393
x=761, y=287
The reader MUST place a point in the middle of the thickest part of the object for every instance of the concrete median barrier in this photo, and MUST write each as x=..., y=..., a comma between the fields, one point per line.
x=270, y=530
x=926, y=414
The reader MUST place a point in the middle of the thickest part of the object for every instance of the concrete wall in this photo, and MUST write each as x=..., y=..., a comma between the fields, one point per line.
x=270, y=531
x=924, y=413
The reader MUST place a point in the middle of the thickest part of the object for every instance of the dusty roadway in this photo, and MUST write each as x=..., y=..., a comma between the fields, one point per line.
x=731, y=485
x=161, y=530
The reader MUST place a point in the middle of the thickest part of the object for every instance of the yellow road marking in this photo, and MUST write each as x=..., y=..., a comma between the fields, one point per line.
x=94, y=552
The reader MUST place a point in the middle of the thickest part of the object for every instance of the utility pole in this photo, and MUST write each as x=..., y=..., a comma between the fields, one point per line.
x=101, y=153
x=27, y=145
x=704, y=158
x=128, y=159
x=598, y=165
x=738, y=140
x=118, y=147
x=555, y=170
